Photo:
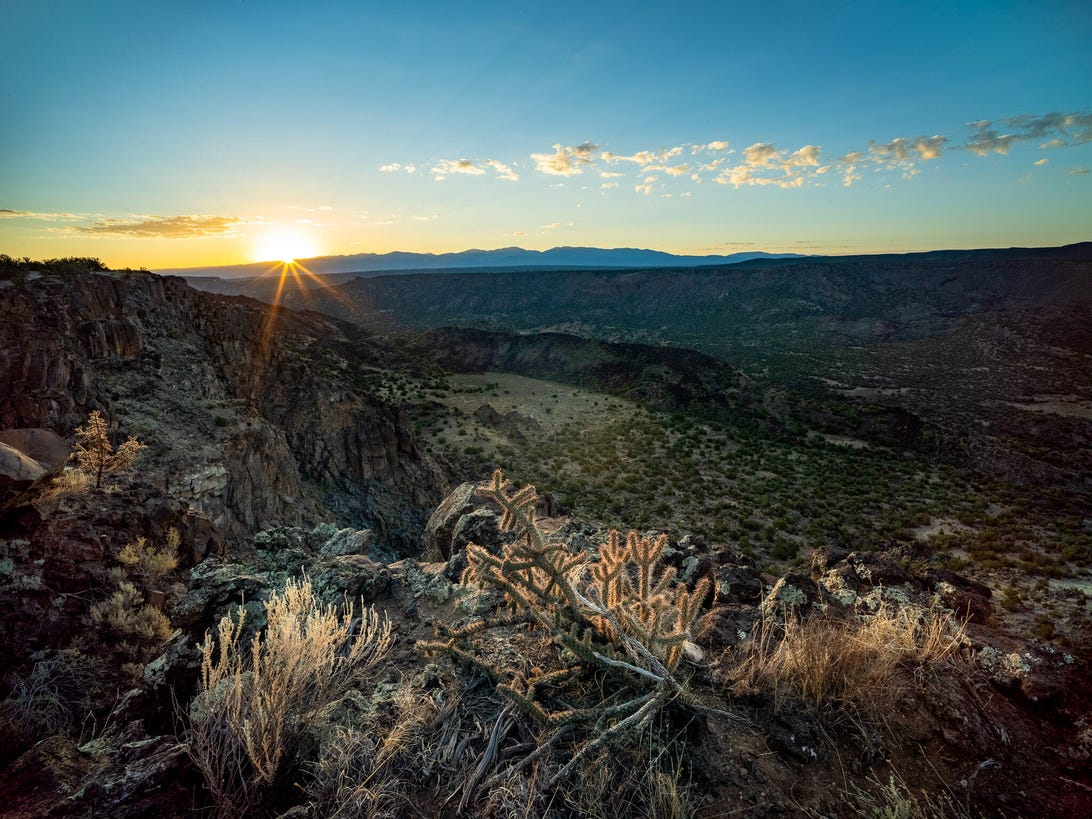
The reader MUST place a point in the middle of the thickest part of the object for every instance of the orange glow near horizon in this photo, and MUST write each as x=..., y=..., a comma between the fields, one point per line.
x=285, y=245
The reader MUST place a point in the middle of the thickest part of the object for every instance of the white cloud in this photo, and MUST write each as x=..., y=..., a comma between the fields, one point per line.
x=761, y=155
x=808, y=156
x=566, y=160
x=646, y=159
x=503, y=171
x=1042, y=161
x=903, y=148
x=610, y=174
x=446, y=167
x=606, y=186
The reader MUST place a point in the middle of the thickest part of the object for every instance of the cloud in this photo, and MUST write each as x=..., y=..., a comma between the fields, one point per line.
x=646, y=159
x=566, y=160
x=904, y=148
x=503, y=171
x=168, y=227
x=1058, y=131
x=761, y=155
x=519, y=234
x=606, y=186
x=446, y=167
x=1042, y=161
x=432, y=217
x=7, y=213
x=551, y=226
x=1079, y=171
x=806, y=157
x=763, y=164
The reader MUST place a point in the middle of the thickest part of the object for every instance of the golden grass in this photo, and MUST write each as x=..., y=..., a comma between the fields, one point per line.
x=68, y=483
x=867, y=662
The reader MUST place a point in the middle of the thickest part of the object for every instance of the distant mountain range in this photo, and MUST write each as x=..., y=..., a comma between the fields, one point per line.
x=505, y=257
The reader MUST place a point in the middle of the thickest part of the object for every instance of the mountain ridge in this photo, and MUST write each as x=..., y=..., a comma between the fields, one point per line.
x=563, y=256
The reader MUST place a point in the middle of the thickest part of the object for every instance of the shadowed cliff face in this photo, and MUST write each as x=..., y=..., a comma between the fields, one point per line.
x=247, y=417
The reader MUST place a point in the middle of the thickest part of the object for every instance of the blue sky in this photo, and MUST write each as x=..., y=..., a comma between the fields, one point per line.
x=174, y=134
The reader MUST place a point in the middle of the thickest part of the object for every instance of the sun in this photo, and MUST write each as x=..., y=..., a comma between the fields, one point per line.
x=281, y=244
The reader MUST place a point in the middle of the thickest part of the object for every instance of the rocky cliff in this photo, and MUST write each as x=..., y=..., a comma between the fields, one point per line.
x=252, y=416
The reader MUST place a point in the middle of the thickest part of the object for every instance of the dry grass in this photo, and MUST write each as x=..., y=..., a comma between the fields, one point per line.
x=897, y=800
x=868, y=662
x=67, y=484
x=256, y=701
x=370, y=769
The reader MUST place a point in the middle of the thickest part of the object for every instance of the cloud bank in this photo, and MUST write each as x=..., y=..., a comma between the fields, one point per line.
x=167, y=227
x=763, y=164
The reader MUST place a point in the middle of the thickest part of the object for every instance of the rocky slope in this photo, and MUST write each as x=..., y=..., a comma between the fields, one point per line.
x=256, y=418
x=1000, y=728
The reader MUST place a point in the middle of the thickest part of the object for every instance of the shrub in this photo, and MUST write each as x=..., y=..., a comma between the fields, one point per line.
x=131, y=629
x=150, y=564
x=56, y=694
x=256, y=700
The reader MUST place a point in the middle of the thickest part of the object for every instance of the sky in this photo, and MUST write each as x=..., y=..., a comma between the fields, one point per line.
x=167, y=135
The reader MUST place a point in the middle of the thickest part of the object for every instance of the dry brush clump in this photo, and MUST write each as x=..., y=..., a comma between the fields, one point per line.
x=866, y=662
x=257, y=700
x=129, y=623
x=375, y=765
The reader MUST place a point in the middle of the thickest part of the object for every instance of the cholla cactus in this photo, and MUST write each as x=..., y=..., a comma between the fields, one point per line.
x=622, y=596
x=655, y=610
x=619, y=612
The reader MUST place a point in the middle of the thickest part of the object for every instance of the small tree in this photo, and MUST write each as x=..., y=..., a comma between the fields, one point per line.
x=96, y=456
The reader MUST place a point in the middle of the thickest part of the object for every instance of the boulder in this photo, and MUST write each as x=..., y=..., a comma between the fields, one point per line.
x=348, y=542
x=441, y=525
x=480, y=527
x=968, y=599
x=26, y=456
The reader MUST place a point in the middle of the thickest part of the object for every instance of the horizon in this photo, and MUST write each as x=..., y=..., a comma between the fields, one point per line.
x=276, y=265
x=434, y=130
